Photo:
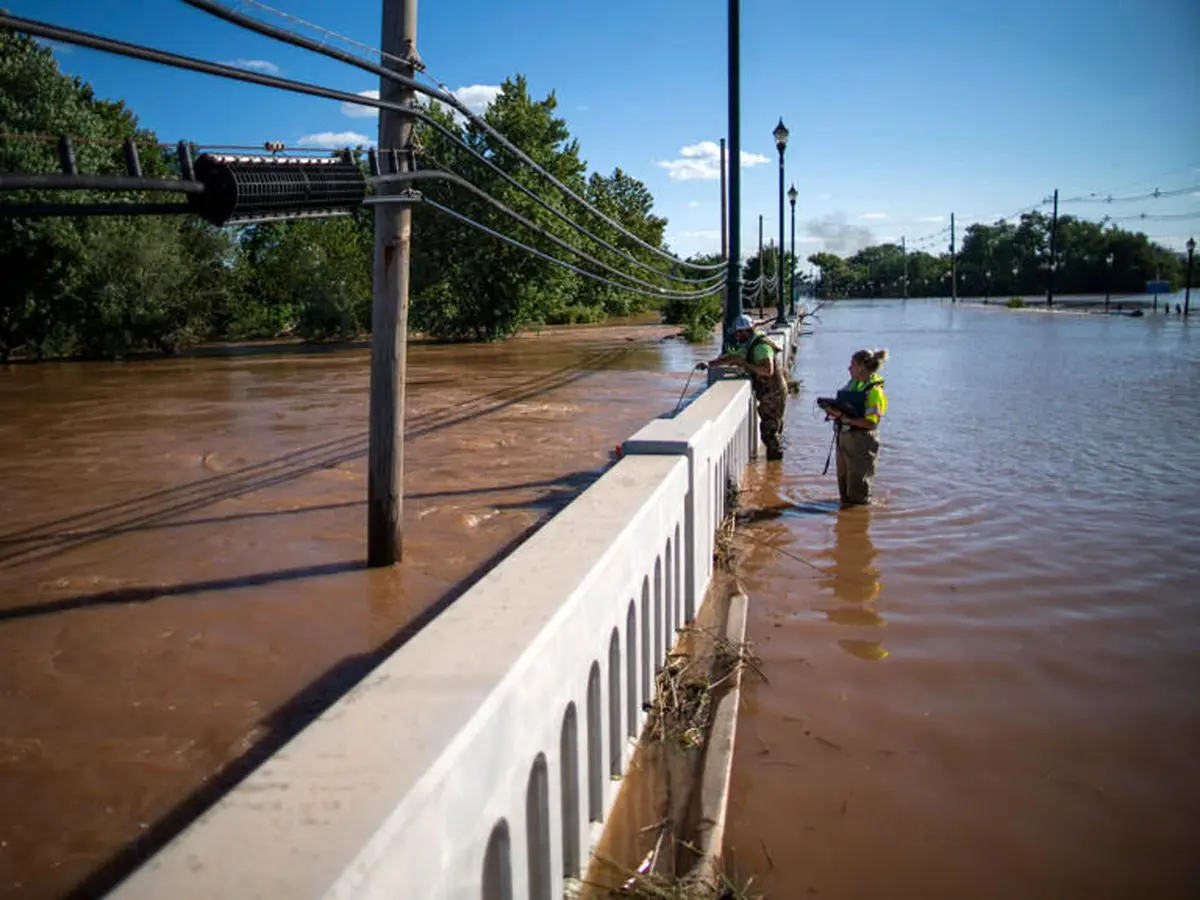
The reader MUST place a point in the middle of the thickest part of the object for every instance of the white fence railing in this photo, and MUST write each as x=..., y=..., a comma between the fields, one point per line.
x=481, y=759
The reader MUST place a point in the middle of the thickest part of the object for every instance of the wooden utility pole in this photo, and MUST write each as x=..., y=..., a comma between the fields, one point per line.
x=762, y=273
x=389, y=312
x=1053, y=257
x=724, y=208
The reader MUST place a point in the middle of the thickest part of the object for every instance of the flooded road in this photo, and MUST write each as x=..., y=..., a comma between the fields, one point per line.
x=988, y=685
x=182, y=545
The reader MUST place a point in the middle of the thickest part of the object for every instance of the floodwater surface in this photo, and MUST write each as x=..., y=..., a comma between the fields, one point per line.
x=182, y=545
x=988, y=684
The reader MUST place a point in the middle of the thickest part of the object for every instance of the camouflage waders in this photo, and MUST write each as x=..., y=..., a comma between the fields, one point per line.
x=771, y=394
x=857, y=451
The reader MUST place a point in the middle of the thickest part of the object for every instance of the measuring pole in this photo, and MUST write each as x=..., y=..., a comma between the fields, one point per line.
x=389, y=311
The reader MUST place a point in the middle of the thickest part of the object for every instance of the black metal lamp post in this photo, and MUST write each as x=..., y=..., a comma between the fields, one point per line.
x=792, y=195
x=781, y=137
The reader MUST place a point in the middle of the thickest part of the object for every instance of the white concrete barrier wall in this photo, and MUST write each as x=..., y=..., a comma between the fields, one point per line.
x=481, y=759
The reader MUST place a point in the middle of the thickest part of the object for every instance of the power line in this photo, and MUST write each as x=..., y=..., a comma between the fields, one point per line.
x=442, y=96
x=458, y=180
x=1155, y=194
x=332, y=34
x=512, y=182
x=466, y=220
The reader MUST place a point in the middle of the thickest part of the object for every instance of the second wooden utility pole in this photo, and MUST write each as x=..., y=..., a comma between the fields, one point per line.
x=724, y=208
x=389, y=310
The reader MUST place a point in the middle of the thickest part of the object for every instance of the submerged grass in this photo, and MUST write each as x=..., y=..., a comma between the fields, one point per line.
x=726, y=553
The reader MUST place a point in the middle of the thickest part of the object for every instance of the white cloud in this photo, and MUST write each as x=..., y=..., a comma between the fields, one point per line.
x=354, y=111
x=874, y=215
x=685, y=243
x=693, y=204
x=335, y=139
x=258, y=65
x=824, y=196
x=477, y=97
x=931, y=220
x=702, y=162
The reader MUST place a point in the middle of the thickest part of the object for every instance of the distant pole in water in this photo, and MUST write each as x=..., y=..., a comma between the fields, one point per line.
x=953, y=265
x=724, y=208
x=1108, y=283
x=1187, y=288
x=904, y=253
x=1053, y=262
x=389, y=314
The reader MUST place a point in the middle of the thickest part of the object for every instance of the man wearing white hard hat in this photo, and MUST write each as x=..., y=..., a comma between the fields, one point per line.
x=755, y=355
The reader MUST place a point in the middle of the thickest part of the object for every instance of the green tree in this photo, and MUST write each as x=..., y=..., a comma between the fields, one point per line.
x=91, y=287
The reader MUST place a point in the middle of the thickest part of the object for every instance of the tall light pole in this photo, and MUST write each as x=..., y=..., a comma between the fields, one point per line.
x=733, y=289
x=781, y=136
x=1187, y=289
x=792, y=195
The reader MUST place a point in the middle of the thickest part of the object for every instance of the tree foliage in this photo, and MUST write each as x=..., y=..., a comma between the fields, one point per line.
x=1008, y=259
x=106, y=287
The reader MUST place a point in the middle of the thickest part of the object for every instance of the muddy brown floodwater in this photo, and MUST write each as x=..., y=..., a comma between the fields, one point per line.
x=989, y=685
x=182, y=547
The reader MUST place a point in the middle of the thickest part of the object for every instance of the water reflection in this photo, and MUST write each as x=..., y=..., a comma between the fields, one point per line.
x=854, y=582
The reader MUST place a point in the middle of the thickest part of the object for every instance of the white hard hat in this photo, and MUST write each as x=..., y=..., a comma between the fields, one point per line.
x=743, y=323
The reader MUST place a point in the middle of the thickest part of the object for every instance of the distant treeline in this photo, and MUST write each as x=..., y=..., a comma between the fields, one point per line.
x=105, y=287
x=1008, y=260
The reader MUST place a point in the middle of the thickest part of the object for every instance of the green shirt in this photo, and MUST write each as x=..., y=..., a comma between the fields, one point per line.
x=763, y=353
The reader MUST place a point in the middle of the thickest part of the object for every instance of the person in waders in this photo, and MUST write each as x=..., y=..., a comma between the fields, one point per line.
x=862, y=404
x=763, y=362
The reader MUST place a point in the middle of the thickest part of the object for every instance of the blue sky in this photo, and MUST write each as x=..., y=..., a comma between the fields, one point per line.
x=901, y=113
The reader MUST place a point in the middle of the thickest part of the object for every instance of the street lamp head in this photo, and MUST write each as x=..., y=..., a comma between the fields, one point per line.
x=1191, y=244
x=792, y=195
x=781, y=136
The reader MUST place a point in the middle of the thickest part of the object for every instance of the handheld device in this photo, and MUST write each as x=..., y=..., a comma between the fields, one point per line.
x=828, y=403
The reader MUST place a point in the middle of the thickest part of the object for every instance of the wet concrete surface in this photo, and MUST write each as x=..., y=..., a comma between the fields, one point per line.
x=182, y=546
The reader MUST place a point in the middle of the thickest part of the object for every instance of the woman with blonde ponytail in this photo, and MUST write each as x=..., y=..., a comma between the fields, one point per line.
x=863, y=403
